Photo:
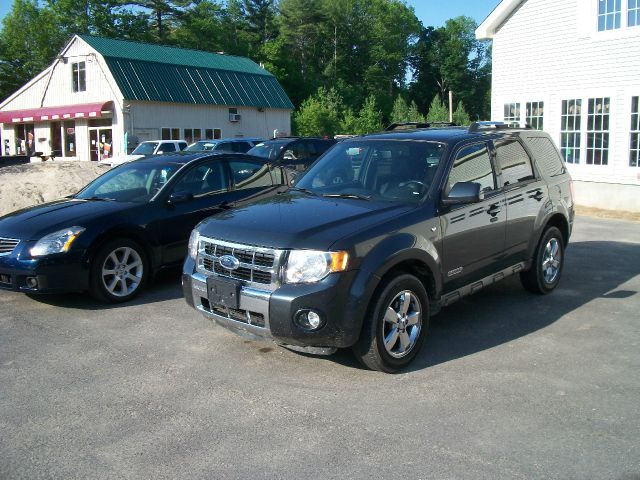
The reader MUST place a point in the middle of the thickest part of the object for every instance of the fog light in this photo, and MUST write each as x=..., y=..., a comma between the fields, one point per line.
x=32, y=282
x=309, y=319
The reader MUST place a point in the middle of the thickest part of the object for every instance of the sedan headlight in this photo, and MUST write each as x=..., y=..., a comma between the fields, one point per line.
x=56, y=242
x=309, y=266
x=194, y=239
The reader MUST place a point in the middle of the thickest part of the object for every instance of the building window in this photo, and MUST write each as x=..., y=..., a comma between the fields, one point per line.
x=212, y=133
x=512, y=112
x=197, y=134
x=598, y=131
x=535, y=115
x=634, y=158
x=609, y=13
x=79, y=77
x=170, y=134
x=570, y=130
x=633, y=13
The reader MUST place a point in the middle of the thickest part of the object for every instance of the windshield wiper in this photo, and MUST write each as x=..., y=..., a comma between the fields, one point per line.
x=357, y=196
x=99, y=199
x=304, y=190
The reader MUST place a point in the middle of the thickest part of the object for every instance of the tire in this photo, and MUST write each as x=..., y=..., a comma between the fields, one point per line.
x=396, y=325
x=544, y=275
x=119, y=271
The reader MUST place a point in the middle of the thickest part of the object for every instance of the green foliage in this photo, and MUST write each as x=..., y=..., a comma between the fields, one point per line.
x=402, y=112
x=29, y=40
x=369, y=119
x=319, y=114
x=460, y=116
x=438, y=112
x=358, y=51
x=450, y=58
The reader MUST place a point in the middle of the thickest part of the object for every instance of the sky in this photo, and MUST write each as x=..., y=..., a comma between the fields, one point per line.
x=430, y=12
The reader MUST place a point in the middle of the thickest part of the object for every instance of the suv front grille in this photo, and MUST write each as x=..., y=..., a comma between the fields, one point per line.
x=7, y=245
x=258, y=265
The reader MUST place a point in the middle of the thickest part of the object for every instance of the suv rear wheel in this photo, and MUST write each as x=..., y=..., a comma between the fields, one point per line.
x=544, y=275
x=396, y=326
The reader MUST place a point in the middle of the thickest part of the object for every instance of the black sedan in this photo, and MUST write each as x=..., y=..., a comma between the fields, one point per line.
x=127, y=224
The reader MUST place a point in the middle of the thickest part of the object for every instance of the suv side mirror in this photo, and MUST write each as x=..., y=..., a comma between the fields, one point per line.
x=179, y=197
x=462, y=193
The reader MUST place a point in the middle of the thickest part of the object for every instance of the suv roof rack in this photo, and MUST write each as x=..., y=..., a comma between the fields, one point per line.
x=411, y=125
x=484, y=126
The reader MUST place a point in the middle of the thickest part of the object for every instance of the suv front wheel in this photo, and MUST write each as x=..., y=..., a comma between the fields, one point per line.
x=396, y=325
x=544, y=274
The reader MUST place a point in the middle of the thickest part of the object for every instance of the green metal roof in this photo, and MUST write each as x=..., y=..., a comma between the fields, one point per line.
x=168, y=74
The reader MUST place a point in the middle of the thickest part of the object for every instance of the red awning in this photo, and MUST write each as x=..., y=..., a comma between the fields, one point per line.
x=89, y=110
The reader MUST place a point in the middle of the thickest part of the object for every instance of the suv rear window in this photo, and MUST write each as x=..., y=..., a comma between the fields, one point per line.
x=546, y=156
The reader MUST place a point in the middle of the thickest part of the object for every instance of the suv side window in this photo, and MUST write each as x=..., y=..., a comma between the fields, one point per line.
x=241, y=147
x=167, y=147
x=513, y=161
x=473, y=164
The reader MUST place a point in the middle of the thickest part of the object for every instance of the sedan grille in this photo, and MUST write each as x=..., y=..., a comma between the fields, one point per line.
x=7, y=245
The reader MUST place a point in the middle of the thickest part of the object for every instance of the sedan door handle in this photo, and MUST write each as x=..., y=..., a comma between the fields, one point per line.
x=494, y=210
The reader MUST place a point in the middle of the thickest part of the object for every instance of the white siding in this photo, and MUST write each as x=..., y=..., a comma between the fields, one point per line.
x=549, y=50
x=146, y=120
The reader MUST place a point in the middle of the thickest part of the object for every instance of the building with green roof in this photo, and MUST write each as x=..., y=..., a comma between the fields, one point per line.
x=101, y=96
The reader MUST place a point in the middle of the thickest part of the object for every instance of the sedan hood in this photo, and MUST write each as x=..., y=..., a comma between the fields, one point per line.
x=298, y=221
x=34, y=222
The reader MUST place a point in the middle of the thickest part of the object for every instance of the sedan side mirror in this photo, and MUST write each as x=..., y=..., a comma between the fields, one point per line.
x=179, y=197
x=462, y=193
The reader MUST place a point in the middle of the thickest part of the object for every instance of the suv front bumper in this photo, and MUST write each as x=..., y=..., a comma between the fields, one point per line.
x=270, y=315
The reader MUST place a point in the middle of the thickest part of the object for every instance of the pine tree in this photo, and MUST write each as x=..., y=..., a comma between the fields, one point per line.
x=437, y=111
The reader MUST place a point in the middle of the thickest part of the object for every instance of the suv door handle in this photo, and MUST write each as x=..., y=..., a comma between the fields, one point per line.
x=494, y=210
x=538, y=195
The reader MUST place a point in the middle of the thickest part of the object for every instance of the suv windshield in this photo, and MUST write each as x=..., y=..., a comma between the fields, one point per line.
x=386, y=170
x=269, y=150
x=134, y=182
x=145, y=148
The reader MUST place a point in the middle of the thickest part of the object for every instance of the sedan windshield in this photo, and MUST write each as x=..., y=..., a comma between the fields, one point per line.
x=384, y=170
x=132, y=182
x=269, y=150
x=145, y=148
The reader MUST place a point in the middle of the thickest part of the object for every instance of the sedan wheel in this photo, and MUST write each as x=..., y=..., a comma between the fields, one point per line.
x=122, y=271
x=119, y=271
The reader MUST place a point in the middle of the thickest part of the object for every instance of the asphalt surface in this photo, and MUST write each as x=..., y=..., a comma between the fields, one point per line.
x=508, y=385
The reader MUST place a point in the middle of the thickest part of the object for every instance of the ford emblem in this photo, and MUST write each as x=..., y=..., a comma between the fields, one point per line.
x=229, y=262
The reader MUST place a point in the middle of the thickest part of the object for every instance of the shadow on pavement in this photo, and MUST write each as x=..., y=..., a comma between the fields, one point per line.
x=165, y=286
x=505, y=311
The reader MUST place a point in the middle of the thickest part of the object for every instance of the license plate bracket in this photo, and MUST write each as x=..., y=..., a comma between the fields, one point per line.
x=223, y=292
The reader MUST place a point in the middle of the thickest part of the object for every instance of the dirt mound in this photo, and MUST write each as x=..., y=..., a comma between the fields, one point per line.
x=33, y=183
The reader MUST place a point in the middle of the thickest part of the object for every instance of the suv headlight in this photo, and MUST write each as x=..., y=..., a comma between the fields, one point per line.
x=56, y=242
x=194, y=239
x=309, y=266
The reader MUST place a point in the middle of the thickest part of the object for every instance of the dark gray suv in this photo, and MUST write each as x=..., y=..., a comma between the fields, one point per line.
x=382, y=232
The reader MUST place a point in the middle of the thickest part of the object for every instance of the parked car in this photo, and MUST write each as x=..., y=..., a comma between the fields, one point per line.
x=240, y=145
x=127, y=224
x=382, y=232
x=295, y=153
x=150, y=147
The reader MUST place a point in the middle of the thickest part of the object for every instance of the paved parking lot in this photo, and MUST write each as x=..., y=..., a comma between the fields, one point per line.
x=508, y=385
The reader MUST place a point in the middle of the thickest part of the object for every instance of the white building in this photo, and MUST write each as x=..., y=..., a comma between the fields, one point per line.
x=572, y=68
x=100, y=94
